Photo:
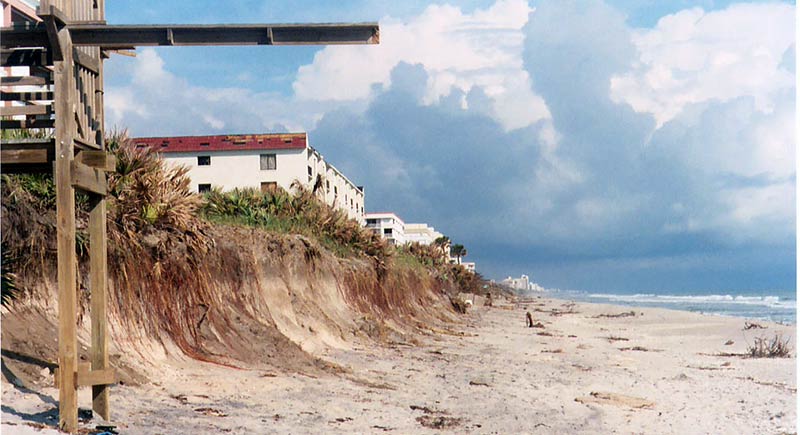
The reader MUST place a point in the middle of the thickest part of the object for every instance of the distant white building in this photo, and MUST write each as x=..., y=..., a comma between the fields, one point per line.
x=469, y=265
x=421, y=233
x=521, y=283
x=388, y=225
x=261, y=161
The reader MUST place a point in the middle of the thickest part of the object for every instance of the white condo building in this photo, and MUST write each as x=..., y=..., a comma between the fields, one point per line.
x=421, y=233
x=258, y=161
x=388, y=225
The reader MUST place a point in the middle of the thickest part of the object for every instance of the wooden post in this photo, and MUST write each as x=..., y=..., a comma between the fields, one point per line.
x=98, y=253
x=99, y=279
x=65, y=211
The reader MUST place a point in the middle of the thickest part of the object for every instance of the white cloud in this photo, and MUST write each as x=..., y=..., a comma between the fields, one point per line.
x=457, y=50
x=694, y=56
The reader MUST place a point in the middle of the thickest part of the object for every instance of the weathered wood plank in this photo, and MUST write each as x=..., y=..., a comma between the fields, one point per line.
x=26, y=96
x=26, y=123
x=24, y=81
x=19, y=157
x=87, y=61
x=87, y=377
x=98, y=159
x=29, y=110
x=28, y=57
x=98, y=271
x=99, y=302
x=87, y=178
x=65, y=235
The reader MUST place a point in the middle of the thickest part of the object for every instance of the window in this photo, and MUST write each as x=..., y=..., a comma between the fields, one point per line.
x=202, y=188
x=203, y=160
x=268, y=186
x=387, y=231
x=351, y=204
x=327, y=186
x=310, y=173
x=268, y=162
x=335, y=190
x=204, y=144
x=372, y=222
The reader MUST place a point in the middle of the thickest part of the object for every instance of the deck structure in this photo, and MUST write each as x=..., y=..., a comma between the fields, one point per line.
x=62, y=91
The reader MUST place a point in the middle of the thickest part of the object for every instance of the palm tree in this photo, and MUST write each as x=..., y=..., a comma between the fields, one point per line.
x=458, y=251
x=443, y=243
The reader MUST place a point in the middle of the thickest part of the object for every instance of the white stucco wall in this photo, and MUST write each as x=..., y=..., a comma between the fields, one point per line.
x=232, y=169
x=240, y=169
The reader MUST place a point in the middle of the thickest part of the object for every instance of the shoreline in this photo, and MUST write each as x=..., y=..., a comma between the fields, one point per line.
x=788, y=315
x=585, y=369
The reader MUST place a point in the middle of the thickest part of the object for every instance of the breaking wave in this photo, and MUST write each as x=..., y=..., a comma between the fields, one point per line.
x=780, y=307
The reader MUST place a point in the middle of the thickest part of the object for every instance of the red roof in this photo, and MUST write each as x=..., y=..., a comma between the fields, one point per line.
x=253, y=142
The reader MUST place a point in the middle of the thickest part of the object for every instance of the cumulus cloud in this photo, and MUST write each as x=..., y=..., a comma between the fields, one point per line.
x=694, y=56
x=458, y=51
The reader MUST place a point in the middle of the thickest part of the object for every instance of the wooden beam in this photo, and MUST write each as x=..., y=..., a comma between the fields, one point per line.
x=26, y=96
x=24, y=81
x=16, y=124
x=126, y=36
x=87, y=178
x=86, y=376
x=25, y=57
x=98, y=272
x=29, y=110
x=89, y=377
x=115, y=36
x=65, y=236
x=98, y=159
x=87, y=61
x=20, y=157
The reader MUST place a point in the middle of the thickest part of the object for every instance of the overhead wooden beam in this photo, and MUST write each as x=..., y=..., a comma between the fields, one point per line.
x=126, y=36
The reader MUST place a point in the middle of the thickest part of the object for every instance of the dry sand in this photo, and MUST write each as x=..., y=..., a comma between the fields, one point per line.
x=658, y=371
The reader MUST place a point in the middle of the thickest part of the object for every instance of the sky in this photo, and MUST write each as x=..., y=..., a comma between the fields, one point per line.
x=626, y=145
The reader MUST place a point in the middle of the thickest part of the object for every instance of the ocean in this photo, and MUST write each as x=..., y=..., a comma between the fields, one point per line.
x=774, y=305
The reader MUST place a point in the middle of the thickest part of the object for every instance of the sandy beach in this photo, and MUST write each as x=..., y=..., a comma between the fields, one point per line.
x=587, y=368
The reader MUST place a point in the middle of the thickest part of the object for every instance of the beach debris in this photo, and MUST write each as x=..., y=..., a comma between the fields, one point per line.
x=776, y=347
x=729, y=342
x=383, y=428
x=181, y=398
x=340, y=420
x=603, y=398
x=438, y=422
x=211, y=412
x=479, y=382
x=544, y=334
x=613, y=338
x=753, y=325
x=552, y=350
x=616, y=316
x=529, y=319
x=426, y=410
x=639, y=349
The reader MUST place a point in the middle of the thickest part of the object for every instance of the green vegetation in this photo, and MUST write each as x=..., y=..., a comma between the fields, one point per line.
x=302, y=212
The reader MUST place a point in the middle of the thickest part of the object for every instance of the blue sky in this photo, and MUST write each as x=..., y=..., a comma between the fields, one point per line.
x=604, y=146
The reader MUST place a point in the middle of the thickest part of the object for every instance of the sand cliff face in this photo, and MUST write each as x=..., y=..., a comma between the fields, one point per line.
x=250, y=299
